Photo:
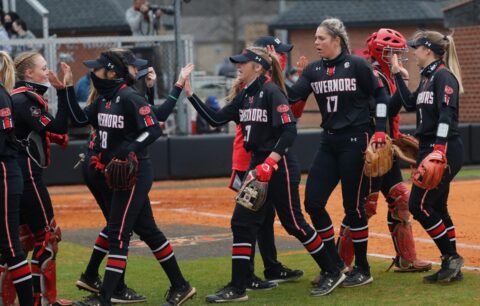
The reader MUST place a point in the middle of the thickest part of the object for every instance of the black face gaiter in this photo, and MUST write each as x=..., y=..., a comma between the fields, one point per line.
x=106, y=88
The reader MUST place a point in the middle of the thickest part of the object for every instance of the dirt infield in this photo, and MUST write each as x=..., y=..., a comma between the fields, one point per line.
x=209, y=202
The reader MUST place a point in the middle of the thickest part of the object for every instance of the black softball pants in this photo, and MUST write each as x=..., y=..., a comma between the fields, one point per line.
x=430, y=207
x=340, y=158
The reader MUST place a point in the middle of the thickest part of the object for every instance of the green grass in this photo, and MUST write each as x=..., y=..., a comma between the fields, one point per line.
x=145, y=275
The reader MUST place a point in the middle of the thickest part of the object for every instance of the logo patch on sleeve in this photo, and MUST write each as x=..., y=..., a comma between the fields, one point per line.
x=144, y=110
x=283, y=108
x=4, y=112
x=448, y=90
x=44, y=120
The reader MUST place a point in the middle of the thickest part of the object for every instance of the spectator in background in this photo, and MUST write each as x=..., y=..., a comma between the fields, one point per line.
x=202, y=125
x=4, y=34
x=82, y=88
x=291, y=77
x=22, y=32
x=8, y=20
x=142, y=19
x=227, y=69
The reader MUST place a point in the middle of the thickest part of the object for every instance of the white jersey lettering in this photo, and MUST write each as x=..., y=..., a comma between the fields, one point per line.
x=110, y=121
x=335, y=85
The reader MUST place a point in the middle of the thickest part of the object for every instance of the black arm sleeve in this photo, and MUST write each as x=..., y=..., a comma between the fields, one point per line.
x=77, y=116
x=406, y=97
x=163, y=111
x=59, y=125
x=216, y=118
x=286, y=140
x=150, y=93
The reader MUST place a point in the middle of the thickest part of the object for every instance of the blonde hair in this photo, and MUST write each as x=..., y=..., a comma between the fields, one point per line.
x=449, y=57
x=277, y=73
x=7, y=72
x=25, y=61
x=336, y=28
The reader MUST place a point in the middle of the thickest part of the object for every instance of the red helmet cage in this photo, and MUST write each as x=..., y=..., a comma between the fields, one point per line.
x=384, y=42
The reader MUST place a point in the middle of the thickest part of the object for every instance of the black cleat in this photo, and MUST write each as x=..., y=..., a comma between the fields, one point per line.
x=328, y=282
x=88, y=283
x=227, y=294
x=357, y=277
x=127, y=296
x=92, y=300
x=451, y=269
x=282, y=274
x=178, y=296
x=257, y=284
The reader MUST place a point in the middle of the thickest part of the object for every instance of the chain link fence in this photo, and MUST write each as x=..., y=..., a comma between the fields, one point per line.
x=158, y=50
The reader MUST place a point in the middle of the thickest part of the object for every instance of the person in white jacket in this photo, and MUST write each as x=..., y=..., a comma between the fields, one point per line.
x=143, y=20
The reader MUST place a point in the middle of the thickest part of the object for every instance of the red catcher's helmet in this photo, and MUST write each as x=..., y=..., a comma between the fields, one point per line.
x=384, y=43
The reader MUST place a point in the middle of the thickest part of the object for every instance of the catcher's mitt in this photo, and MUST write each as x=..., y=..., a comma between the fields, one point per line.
x=378, y=161
x=430, y=171
x=406, y=148
x=253, y=193
x=122, y=174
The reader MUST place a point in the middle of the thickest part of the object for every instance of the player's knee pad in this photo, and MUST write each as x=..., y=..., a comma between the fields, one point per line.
x=345, y=246
x=7, y=288
x=371, y=204
x=27, y=240
x=398, y=205
x=45, y=256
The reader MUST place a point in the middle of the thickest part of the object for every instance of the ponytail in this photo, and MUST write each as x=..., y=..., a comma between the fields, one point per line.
x=235, y=90
x=277, y=74
x=7, y=72
x=451, y=60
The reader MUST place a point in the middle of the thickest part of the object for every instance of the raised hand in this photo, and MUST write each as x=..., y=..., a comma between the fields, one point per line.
x=53, y=79
x=185, y=73
x=188, y=87
x=67, y=74
x=151, y=77
x=301, y=64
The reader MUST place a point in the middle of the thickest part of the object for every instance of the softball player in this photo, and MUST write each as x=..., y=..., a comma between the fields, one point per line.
x=436, y=104
x=35, y=128
x=274, y=271
x=381, y=46
x=12, y=255
x=125, y=123
x=95, y=181
x=344, y=86
x=269, y=129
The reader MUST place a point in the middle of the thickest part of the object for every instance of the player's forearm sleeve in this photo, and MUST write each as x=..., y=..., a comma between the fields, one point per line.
x=214, y=118
x=408, y=100
x=287, y=138
x=163, y=111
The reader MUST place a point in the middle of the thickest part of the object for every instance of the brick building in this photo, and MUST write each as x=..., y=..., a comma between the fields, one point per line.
x=464, y=19
x=361, y=19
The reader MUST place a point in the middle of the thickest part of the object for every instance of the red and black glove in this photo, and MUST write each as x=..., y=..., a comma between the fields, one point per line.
x=60, y=139
x=265, y=170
